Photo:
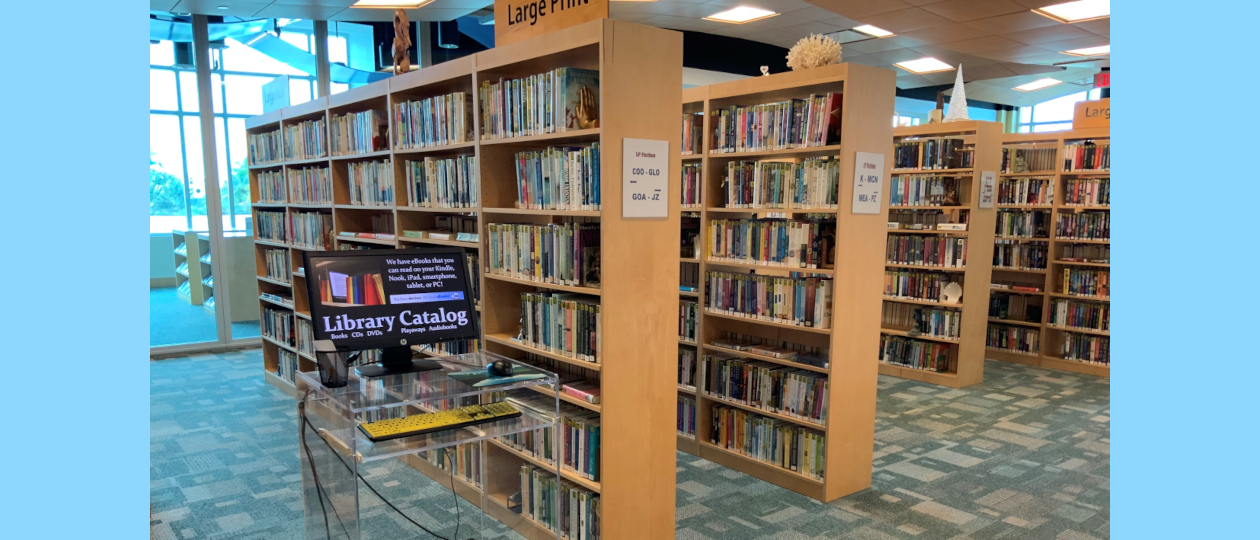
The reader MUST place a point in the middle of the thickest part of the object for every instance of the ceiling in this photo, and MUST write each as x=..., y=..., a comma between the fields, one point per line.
x=1001, y=44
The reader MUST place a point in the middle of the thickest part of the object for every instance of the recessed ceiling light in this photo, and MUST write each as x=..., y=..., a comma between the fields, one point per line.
x=924, y=65
x=741, y=15
x=1090, y=51
x=1037, y=85
x=1081, y=10
x=391, y=4
x=223, y=7
x=874, y=31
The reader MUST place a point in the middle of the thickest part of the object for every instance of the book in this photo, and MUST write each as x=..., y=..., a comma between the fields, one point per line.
x=687, y=320
x=794, y=301
x=561, y=323
x=811, y=183
x=1023, y=224
x=306, y=140
x=1087, y=191
x=1023, y=160
x=1015, y=339
x=927, y=220
x=271, y=226
x=1087, y=156
x=796, y=243
x=925, y=321
x=584, y=391
x=310, y=229
x=558, y=253
x=916, y=284
x=933, y=154
x=276, y=263
x=413, y=234
x=563, y=99
x=358, y=133
x=1086, y=348
x=1086, y=282
x=914, y=353
x=371, y=183
x=1081, y=315
x=310, y=185
x=1083, y=226
x=435, y=121
x=794, y=123
x=789, y=446
x=1020, y=255
x=264, y=148
x=1026, y=191
x=692, y=182
x=467, y=237
x=770, y=387
x=923, y=191
x=271, y=188
x=559, y=178
x=926, y=250
x=442, y=183
x=1014, y=307
x=687, y=416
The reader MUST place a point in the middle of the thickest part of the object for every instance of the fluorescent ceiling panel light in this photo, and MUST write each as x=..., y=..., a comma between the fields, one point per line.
x=1038, y=85
x=874, y=31
x=741, y=15
x=1081, y=10
x=391, y=4
x=1090, y=51
x=924, y=65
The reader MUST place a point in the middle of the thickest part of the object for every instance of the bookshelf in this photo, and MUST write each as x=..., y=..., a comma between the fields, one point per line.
x=638, y=277
x=691, y=265
x=851, y=340
x=964, y=348
x=1020, y=314
x=194, y=282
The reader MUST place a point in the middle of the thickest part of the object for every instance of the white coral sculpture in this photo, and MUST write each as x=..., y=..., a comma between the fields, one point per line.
x=813, y=51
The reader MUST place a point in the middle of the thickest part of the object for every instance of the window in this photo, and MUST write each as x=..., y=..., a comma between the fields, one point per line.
x=899, y=121
x=1055, y=114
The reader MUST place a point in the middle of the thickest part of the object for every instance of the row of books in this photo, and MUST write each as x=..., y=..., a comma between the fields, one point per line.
x=927, y=220
x=264, y=148
x=916, y=284
x=914, y=353
x=567, y=508
x=577, y=443
x=371, y=183
x=780, y=443
x=360, y=290
x=1021, y=160
x=1015, y=307
x=784, y=390
x=688, y=277
x=795, y=301
x=1086, y=282
x=811, y=183
x=558, y=178
x=311, y=229
x=1065, y=313
x=926, y=250
x=358, y=133
x=557, y=253
x=575, y=380
x=692, y=133
x=689, y=244
x=563, y=99
x=442, y=183
x=447, y=348
x=278, y=325
x=1087, y=156
x=472, y=268
x=1016, y=255
x=687, y=320
x=692, y=184
x=1083, y=226
x=287, y=365
x=270, y=186
x=923, y=191
x=1087, y=191
x=1095, y=253
x=466, y=459
x=1022, y=224
x=1086, y=348
x=305, y=337
x=687, y=416
x=938, y=323
x=782, y=350
x=1016, y=339
x=310, y=185
x=435, y=121
x=271, y=225
x=687, y=367
x=276, y=262
x=306, y=140
x=455, y=223
x=1026, y=191
x=772, y=242
x=933, y=154
x=794, y=123
x=1011, y=288
x=561, y=323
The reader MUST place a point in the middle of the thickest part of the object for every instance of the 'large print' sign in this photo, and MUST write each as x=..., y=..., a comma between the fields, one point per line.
x=515, y=20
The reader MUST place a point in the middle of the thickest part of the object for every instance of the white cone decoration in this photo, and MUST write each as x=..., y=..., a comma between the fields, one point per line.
x=957, y=101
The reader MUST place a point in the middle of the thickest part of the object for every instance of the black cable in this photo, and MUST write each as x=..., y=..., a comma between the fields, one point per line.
x=319, y=487
x=453, y=495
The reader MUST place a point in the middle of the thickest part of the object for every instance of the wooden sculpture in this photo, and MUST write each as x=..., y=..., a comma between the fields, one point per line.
x=402, y=42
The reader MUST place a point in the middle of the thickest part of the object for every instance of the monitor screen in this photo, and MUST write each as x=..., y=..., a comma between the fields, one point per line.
x=389, y=298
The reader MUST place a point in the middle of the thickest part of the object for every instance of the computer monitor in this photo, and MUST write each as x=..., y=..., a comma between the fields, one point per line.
x=389, y=299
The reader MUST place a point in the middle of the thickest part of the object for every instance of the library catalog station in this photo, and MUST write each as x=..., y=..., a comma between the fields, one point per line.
x=632, y=270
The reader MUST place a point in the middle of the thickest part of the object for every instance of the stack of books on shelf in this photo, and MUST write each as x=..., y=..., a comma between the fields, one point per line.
x=557, y=253
x=687, y=416
x=926, y=251
x=360, y=290
x=1015, y=339
x=932, y=154
x=923, y=321
x=560, y=100
x=287, y=366
x=914, y=353
x=310, y=185
x=466, y=458
x=382, y=228
x=1075, y=315
x=270, y=187
x=1026, y=191
x=689, y=246
x=1087, y=192
x=371, y=183
x=1083, y=226
x=1022, y=224
x=1086, y=348
x=777, y=442
x=1014, y=307
x=928, y=220
x=472, y=268
x=804, y=302
x=447, y=348
x=1086, y=253
x=270, y=225
x=305, y=338
x=782, y=350
x=1088, y=156
x=687, y=367
x=305, y=140
x=916, y=284
x=277, y=264
x=795, y=123
x=311, y=230
x=278, y=325
x=785, y=243
x=358, y=133
x=574, y=512
x=558, y=178
x=436, y=121
x=442, y=183
x=687, y=320
x=563, y=324
x=692, y=133
x=1032, y=160
x=692, y=180
x=923, y=191
x=461, y=228
x=1086, y=282
x=812, y=183
x=1017, y=255
x=784, y=390
x=689, y=277
x=264, y=148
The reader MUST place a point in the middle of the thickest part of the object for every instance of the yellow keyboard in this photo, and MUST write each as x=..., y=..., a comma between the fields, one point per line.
x=417, y=424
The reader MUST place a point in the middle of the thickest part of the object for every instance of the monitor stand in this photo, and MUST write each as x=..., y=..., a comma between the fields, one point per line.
x=396, y=361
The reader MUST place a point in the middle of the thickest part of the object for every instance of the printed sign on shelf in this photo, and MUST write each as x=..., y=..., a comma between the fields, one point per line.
x=988, y=187
x=868, y=182
x=644, y=178
x=1092, y=114
x=276, y=94
x=515, y=20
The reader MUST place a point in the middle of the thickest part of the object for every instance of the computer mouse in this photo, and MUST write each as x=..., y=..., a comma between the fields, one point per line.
x=500, y=368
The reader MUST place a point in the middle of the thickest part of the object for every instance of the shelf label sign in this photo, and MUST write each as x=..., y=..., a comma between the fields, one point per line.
x=988, y=186
x=644, y=178
x=1092, y=114
x=868, y=183
x=515, y=20
x=275, y=94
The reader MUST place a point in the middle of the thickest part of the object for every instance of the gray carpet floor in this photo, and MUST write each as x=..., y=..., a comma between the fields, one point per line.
x=173, y=321
x=1025, y=455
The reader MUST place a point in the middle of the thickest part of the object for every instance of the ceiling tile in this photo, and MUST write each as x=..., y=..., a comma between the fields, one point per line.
x=1011, y=53
x=1031, y=4
x=657, y=8
x=977, y=45
x=872, y=46
x=386, y=15
x=315, y=13
x=1058, y=32
x=806, y=29
x=989, y=71
x=943, y=34
x=211, y=7
x=1014, y=22
x=1076, y=43
x=905, y=20
x=342, y=3
x=970, y=10
x=1017, y=68
x=776, y=37
x=615, y=12
x=951, y=57
x=858, y=10
x=815, y=13
x=471, y=5
x=924, y=2
x=943, y=77
x=686, y=23
x=777, y=6
x=899, y=55
x=905, y=79
x=1101, y=27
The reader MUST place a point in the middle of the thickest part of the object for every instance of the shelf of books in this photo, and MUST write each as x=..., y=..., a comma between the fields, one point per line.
x=750, y=194
x=457, y=155
x=1051, y=286
x=938, y=252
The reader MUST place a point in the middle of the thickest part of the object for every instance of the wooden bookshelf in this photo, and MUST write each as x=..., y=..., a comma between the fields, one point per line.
x=639, y=277
x=852, y=340
x=966, y=354
x=1049, y=281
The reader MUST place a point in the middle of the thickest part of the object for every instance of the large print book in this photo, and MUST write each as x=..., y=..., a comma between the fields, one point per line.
x=572, y=82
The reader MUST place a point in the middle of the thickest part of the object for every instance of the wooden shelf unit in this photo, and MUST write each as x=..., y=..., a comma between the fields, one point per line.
x=637, y=461
x=853, y=339
x=1051, y=337
x=967, y=352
